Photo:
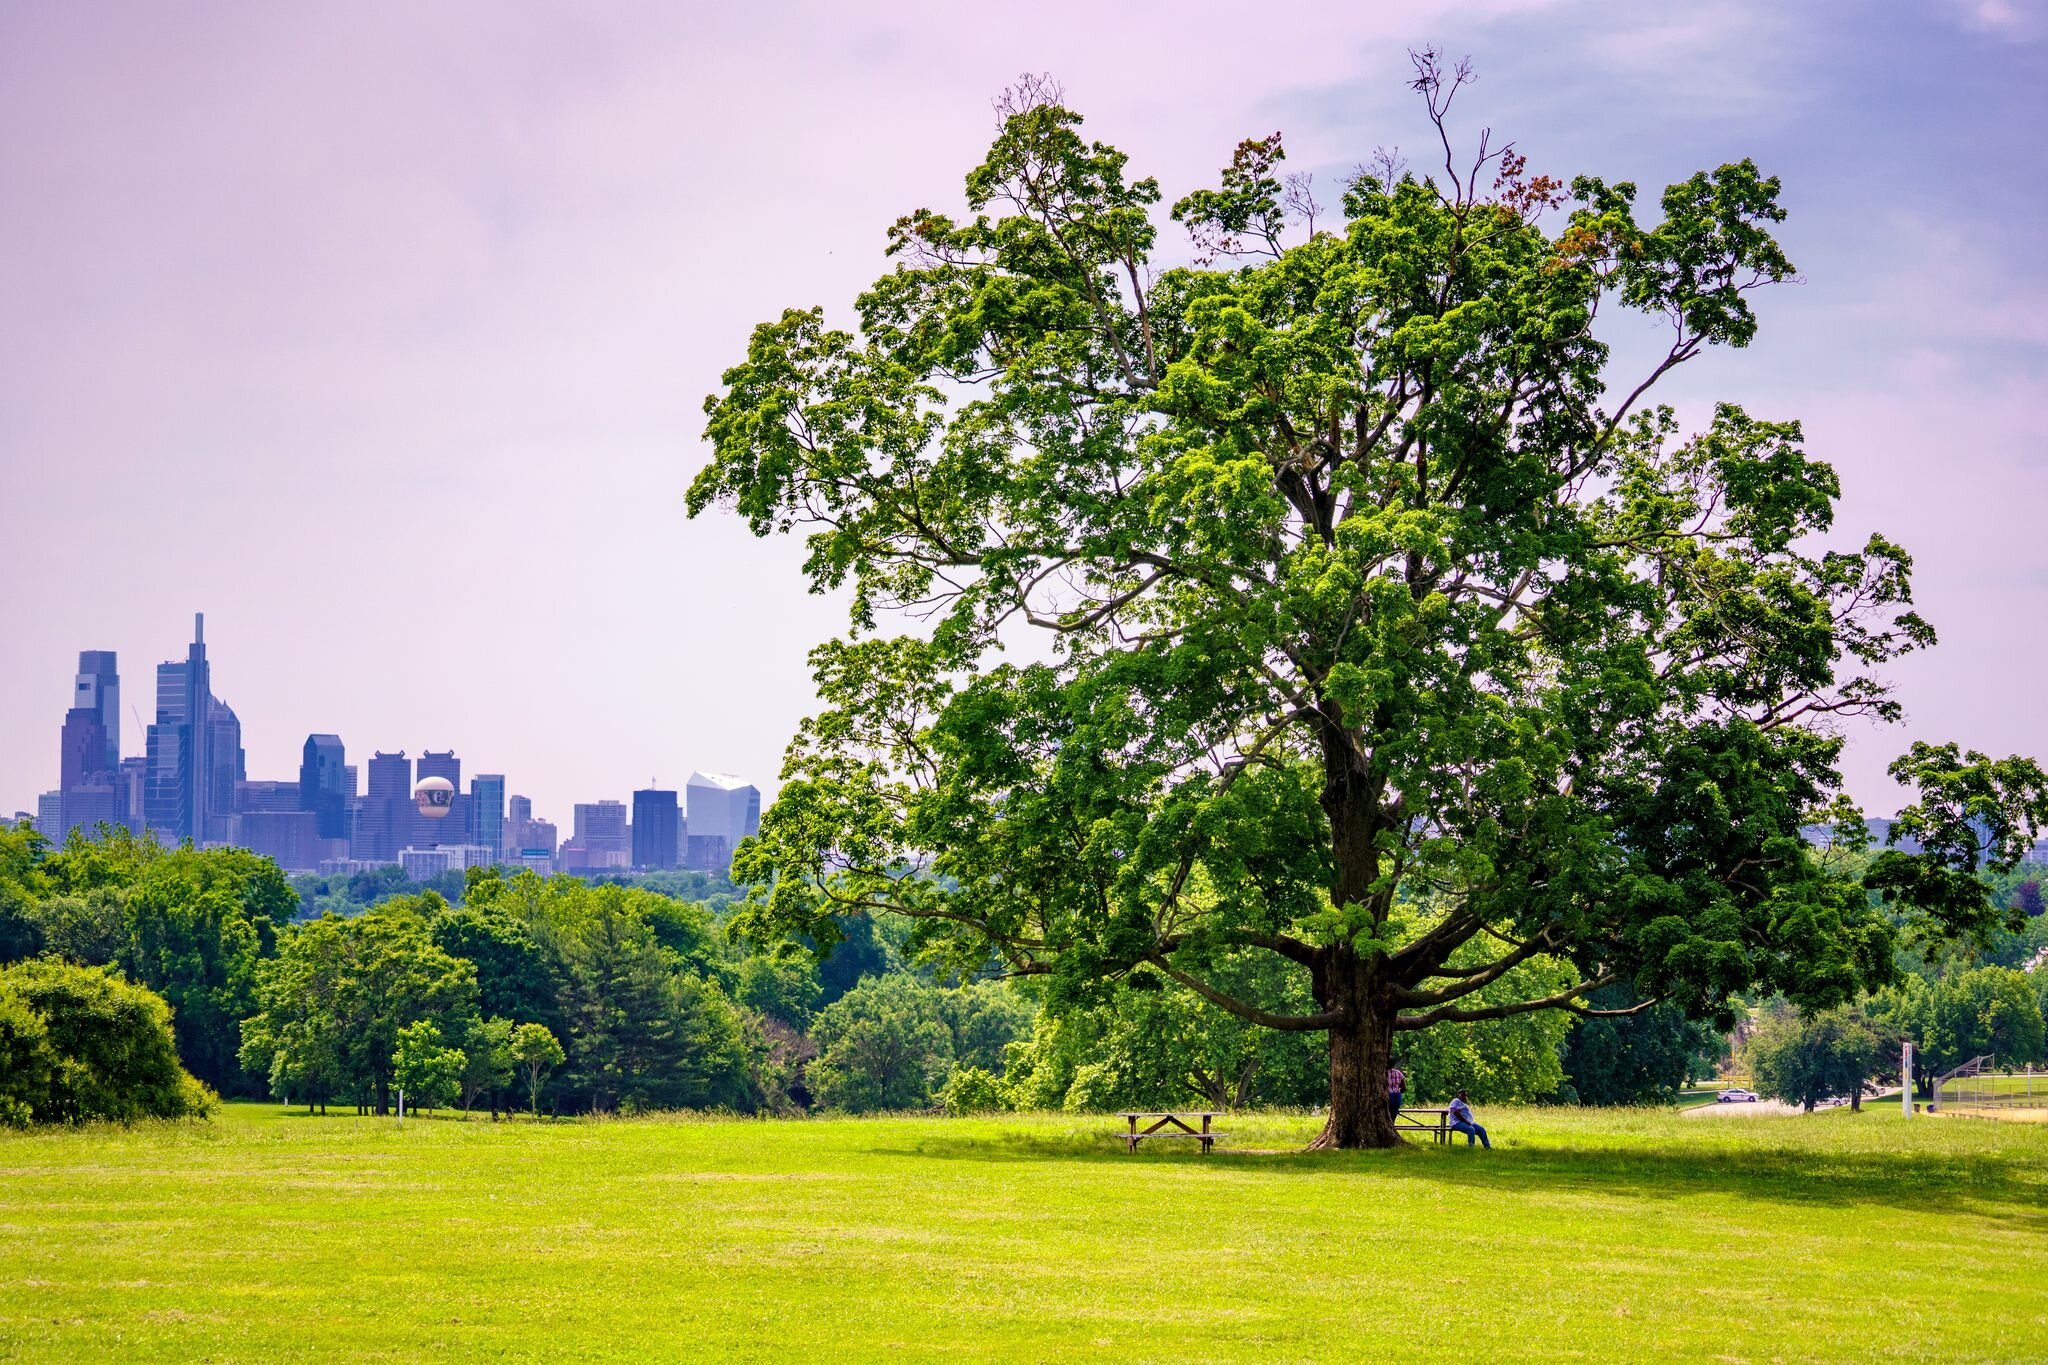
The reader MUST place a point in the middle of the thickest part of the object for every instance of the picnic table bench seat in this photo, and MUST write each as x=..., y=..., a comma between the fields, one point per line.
x=1410, y=1121
x=1171, y=1124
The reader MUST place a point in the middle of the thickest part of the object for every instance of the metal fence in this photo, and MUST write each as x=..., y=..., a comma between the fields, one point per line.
x=1968, y=1088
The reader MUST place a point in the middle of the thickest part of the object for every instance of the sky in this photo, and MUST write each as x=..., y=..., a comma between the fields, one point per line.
x=380, y=332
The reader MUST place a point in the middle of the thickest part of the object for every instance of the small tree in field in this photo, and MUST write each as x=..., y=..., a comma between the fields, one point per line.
x=1390, y=633
x=535, y=1051
x=424, y=1069
x=487, y=1061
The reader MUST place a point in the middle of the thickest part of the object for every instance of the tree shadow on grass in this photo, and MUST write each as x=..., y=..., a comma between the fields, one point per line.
x=2008, y=1190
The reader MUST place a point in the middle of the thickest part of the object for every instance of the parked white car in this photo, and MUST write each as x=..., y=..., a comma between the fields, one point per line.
x=1736, y=1095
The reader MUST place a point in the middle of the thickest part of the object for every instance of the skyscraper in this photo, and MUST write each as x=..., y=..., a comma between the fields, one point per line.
x=390, y=776
x=179, y=773
x=487, y=810
x=723, y=811
x=384, y=816
x=325, y=786
x=89, y=792
x=445, y=765
x=98, y=689
x=655, y=820
x=226, y=765
x=84, y=745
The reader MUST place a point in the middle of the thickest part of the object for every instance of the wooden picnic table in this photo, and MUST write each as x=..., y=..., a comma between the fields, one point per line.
x=1409, y=1121
x=1171, y=1125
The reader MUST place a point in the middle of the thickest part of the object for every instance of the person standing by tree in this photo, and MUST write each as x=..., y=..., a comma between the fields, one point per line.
x=1397, y=1087
x=1461, y=1122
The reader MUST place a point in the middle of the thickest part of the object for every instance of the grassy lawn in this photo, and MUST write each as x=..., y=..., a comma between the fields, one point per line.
x=1583, y=1235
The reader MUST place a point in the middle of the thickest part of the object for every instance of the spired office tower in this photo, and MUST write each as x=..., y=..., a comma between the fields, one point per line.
x=179, y=773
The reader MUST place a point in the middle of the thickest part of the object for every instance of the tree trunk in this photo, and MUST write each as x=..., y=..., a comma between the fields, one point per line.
x=1362, y=1047
x=1360, y=1054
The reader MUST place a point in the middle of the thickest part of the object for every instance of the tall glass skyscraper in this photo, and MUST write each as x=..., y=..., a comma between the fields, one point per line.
x=98, y=690
x=226, y=765
x=487, y=810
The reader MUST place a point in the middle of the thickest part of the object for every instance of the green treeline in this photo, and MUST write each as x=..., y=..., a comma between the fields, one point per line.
x=560, y=996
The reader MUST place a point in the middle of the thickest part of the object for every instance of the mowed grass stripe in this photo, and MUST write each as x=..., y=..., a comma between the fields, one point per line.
x=1584, y=1235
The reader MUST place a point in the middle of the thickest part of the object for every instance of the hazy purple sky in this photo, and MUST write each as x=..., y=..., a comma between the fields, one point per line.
x=379, y=332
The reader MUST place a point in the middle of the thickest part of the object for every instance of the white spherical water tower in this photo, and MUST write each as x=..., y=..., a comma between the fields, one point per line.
x=435, y=797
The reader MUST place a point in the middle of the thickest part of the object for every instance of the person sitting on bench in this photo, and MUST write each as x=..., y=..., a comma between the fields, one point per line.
x=1460, y=1118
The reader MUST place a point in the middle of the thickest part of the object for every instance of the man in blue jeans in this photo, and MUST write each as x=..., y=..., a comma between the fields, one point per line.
x=1461, y=1122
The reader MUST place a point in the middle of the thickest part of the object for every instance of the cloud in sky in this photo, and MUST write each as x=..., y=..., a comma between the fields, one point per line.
x=380, y=332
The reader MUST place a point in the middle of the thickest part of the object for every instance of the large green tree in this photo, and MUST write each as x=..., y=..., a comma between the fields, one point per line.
x=1805, y=1059
x=1387, y=622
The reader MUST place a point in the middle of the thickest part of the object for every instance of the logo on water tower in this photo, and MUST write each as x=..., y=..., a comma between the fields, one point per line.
x=434, y=796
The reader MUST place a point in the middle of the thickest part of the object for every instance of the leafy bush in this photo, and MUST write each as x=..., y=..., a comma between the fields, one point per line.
x=79, y=1044
x=972, y=1090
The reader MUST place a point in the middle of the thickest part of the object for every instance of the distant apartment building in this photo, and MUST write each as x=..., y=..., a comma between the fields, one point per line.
x=266, y=797
x=421, y=864
x=289, y=838
x=602, y=839
x=657, y=824
x=526, y=838
x=723, y=810
x=601, y=825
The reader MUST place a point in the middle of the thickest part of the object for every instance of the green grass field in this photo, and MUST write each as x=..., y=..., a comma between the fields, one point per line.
x=1583, y=1235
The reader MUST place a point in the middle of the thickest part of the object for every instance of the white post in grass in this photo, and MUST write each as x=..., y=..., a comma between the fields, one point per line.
x=1906, y=1079
x=401, y=1107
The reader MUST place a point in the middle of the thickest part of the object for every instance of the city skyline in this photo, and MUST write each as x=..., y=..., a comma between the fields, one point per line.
x=192, y=781
x=24, y=790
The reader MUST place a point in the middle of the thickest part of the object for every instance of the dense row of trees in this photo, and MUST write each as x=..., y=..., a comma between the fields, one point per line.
x=561, y=996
